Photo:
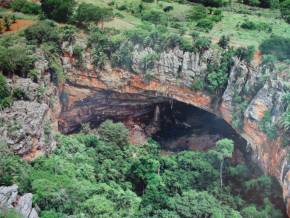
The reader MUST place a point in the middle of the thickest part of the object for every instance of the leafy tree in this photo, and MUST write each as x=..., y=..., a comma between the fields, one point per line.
x=98, y=206
x=87, y=12
x=115, y=133
x=224, y=149
x=60, y=11
x=200, y=204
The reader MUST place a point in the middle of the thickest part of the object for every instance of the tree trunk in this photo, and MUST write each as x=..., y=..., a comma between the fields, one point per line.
x=221, y=172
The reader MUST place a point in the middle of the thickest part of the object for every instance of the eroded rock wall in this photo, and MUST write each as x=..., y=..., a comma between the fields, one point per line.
x=260, y=88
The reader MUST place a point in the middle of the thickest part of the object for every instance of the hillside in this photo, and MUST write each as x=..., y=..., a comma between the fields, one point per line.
x=143, y=108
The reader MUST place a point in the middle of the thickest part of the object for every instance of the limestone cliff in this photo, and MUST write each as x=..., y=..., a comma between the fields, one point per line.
x=260, y=89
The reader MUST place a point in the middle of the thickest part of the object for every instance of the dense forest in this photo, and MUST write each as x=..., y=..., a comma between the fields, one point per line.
x=98, y=172
x=102, y=175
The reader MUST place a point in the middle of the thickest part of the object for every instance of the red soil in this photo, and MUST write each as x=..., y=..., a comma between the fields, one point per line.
x=20, y=24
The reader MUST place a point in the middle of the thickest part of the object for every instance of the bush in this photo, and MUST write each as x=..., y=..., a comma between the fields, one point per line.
x=250, y=25
x=25, y=6
x=90, y=13
x=44, y=31
x=224, y=41
x=197, y=13
x=5, y=98
x=212, y=3
x=267, y=126
x=245, y=54
x=205, y=24
x=285, y=10
x=123, y=56
x=60, y=11
x=16, y=60
x=154, y=16
x=114, y=133
x=77, y=52
x=276, y=46
x=202, y=44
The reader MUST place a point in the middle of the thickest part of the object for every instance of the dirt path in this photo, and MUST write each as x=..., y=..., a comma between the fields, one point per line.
x=20, y=24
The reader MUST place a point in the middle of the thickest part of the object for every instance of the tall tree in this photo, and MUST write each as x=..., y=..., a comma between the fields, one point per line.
x=224, y=149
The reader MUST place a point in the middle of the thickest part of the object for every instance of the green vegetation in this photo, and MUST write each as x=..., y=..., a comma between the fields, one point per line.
x=267, y=126
x=25, y=6
x=285, y=10
x=60, y=11
x=5, y=93
x=102, y=176
x=277, y=46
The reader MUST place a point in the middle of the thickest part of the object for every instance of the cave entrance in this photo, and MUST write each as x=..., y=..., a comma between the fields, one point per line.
x=185, y=127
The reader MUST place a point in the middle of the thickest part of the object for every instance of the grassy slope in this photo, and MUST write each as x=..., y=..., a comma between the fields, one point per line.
x=228, y=25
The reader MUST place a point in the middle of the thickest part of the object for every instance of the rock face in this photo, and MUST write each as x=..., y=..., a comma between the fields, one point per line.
x=23, y=126
x=9, y=198
x=93, y=94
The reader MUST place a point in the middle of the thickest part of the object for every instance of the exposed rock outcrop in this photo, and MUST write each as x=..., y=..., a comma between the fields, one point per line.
x=250, y=93
x=9, y=198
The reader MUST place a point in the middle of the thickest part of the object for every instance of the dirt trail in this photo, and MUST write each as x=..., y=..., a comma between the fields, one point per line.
x=20, y=24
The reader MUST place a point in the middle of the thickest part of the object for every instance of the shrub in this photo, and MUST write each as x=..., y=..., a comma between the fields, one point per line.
x=154, y=16
x=7, y=22
x=168, y=8
x=147, y=62
x=224, y=41
x=202, y=44
x=197, y=13
x=60, y=11
x=285, y=10
x=5, y=98
x=90, y=13
x=114, y=133
x=19, y=94
x=16, y=60
x=198, y=85
x=218, y=74
x=44, y=31
x=205, y=24
x=250, y=25
x=245, y=54
x=267, y=126
x=77, y=52
x=123, y=56
x=25, y=6
x=99, y=57
x=212, y=3
x=276, y=46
